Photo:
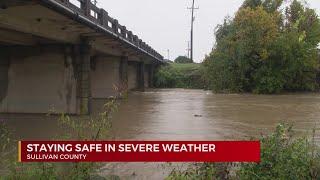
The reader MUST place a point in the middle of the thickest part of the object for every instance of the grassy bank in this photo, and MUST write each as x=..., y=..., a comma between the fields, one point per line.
x=176, y=75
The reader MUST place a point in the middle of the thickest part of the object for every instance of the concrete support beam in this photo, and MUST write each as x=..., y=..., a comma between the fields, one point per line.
x=123, y=71
x=4, y=79
x=105, y=76
x=16, y=38
x=38, y=81
x=146, y=75
x=151, y=75
x=140, y=78
x=83, y=57
x=132, y=75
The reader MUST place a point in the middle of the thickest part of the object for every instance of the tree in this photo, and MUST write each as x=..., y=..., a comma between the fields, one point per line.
x=263, y=50
x=183, y=59
x=251, y=3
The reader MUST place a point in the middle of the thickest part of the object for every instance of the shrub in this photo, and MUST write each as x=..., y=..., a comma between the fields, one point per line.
x=180, y=76
x=282, y=157
x=183, y=60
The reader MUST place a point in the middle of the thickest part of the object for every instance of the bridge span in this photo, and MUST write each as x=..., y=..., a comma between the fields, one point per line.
x=59, y=55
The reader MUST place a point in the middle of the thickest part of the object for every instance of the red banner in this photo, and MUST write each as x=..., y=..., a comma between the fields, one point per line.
x=139, y=151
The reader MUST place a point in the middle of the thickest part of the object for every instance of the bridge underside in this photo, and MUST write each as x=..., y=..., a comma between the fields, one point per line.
x=51, y=62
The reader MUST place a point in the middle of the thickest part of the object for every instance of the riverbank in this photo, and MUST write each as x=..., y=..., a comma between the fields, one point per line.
x=194, y=76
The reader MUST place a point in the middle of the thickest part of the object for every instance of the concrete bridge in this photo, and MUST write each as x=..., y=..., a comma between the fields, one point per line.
x=58, y=54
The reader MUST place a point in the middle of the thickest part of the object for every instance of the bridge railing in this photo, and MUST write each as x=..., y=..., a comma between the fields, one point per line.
x=100, y=16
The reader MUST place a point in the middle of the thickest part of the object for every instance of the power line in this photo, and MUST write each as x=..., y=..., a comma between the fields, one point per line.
x=191, y=35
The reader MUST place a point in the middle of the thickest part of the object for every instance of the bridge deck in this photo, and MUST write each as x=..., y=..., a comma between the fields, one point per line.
x=30, y=22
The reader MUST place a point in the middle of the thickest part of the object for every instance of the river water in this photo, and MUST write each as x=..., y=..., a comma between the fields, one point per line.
x=178, y=114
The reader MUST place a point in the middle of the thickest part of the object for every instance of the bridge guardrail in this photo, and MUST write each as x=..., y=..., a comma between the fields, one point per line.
x=101, y=16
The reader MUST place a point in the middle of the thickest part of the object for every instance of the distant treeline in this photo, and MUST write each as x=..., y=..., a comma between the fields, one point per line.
x=268, y=47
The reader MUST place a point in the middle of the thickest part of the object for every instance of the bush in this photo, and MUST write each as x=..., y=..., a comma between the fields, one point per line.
x=282, y=157
x=180, y=76
x=183, y=60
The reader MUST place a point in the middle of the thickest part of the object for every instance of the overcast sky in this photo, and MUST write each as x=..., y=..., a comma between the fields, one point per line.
x=165, y=24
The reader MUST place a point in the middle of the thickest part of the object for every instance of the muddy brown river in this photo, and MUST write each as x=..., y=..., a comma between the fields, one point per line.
x=178, y=114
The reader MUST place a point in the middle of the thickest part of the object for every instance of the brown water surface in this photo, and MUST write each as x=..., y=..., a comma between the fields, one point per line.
x=177, y=114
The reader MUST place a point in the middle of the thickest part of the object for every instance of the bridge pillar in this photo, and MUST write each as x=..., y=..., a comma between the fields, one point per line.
x=4, y=68
x=140, y=78
x=83, y=57
x=123, y=72
x=37, y=79
x=151, y=75
x=107, y=72
x=132, y=75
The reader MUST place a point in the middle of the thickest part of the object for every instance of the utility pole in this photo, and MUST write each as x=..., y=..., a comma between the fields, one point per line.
x=168, y=54
x=192, y=21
